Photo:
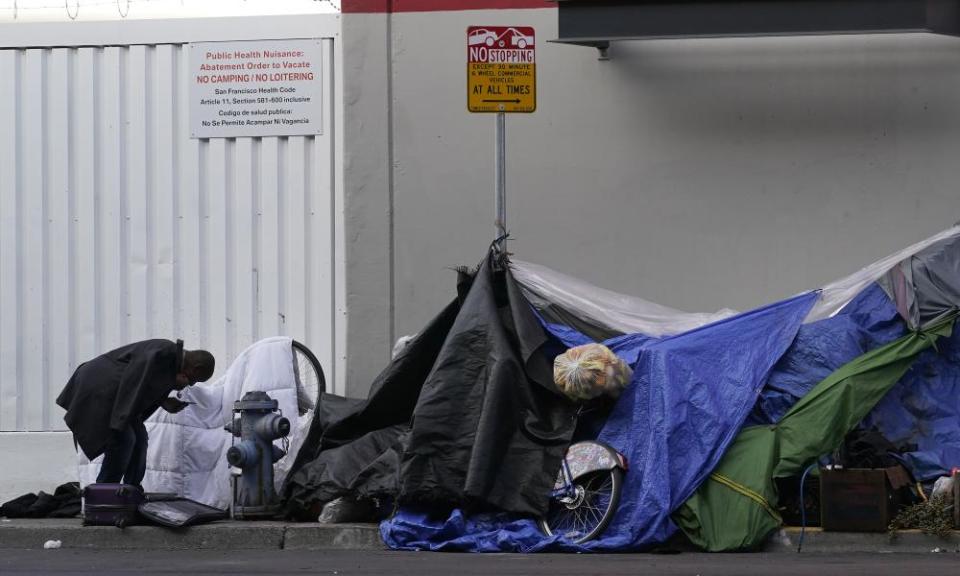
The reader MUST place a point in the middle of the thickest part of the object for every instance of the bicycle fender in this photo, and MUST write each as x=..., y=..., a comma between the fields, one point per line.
x=585, y=457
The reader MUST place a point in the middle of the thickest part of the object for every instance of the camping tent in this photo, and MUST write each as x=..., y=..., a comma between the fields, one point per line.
x=720, y=404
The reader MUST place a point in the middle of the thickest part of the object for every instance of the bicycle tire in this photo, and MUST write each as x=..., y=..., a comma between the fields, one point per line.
x=308, y=399
x=553, y=521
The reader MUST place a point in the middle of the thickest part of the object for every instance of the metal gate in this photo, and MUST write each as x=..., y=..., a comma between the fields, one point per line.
x=116, y=226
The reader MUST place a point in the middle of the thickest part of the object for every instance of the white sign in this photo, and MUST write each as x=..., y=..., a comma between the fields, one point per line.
x=256, y=88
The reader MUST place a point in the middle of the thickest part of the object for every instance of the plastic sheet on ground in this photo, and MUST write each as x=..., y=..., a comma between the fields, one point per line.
x=412, y=529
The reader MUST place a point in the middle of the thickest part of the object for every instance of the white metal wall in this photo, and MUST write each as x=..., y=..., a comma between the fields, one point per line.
x=115, y=226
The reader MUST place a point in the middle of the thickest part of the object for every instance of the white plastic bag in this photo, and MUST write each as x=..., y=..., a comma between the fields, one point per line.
x=590, y=371
x=943, y=487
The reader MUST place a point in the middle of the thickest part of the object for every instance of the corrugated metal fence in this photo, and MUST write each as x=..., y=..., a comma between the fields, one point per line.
x=115, y=226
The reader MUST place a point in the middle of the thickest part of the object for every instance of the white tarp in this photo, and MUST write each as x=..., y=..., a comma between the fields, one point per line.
x=836, y=295
x=626, y=314
x=629, y=315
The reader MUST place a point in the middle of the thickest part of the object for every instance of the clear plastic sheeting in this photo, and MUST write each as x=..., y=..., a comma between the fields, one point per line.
x=836, y=295
x=602, y=313
x=615, y=312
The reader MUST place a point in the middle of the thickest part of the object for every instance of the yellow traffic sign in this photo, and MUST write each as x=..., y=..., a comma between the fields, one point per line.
x=501, y=69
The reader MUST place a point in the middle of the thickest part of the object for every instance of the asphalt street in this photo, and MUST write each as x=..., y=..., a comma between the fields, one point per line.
x=350, y=563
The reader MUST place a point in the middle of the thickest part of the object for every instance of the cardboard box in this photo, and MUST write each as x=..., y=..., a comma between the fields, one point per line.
x=860, y=499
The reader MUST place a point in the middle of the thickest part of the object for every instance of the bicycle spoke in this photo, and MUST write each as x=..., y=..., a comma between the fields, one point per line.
x=581, y=514
x=591, y=515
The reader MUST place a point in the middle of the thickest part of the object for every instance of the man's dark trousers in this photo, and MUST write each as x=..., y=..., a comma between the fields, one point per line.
x=126, y=456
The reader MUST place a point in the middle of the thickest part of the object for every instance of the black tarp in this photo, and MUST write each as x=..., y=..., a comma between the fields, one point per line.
x=466, y=415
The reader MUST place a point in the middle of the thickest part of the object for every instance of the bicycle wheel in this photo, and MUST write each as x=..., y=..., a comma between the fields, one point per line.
x=585, y=515
x=310, y=379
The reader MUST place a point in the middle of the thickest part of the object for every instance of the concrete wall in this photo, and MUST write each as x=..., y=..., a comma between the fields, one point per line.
x=367, y=197
x=697, y=174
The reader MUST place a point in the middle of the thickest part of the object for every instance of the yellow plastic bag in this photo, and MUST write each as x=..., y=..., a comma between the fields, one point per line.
x=590, y=371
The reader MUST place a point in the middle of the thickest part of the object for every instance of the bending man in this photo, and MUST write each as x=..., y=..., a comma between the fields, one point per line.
x=108, y=398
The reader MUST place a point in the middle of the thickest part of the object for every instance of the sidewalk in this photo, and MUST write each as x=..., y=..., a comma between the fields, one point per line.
x=232, y=535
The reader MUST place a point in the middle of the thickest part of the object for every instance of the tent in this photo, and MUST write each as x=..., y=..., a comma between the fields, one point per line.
x=467, y=414
x=721, y=403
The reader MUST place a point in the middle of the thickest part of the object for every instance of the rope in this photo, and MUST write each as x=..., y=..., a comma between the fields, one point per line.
x=741, y=489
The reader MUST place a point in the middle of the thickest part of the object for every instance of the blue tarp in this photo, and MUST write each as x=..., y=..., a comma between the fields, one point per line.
x=413, y=529
x=869, y=321
x=689, y=397
x=924, y=409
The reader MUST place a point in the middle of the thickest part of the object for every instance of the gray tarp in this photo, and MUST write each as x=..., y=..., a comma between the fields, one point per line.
x=926, y=285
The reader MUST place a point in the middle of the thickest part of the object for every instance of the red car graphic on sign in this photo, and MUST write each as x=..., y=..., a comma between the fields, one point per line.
x=482, y=36
x=517, y=38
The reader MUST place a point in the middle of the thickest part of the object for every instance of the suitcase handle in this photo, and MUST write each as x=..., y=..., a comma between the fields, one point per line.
x=124, y=490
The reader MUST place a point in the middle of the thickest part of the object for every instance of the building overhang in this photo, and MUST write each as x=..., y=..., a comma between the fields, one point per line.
x=597, y=23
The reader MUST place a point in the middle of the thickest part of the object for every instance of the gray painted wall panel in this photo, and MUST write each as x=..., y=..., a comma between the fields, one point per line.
x=367, y=198
x=697, y=174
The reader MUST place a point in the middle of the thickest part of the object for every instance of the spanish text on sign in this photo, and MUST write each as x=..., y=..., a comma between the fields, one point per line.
x=259, y=88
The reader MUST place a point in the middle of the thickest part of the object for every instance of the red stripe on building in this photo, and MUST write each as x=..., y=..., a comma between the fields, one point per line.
x=379, y=6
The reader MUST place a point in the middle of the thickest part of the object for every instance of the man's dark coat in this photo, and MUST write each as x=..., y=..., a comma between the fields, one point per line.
x=118, y=388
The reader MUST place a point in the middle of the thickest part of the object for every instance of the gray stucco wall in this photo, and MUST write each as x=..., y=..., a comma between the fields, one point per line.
x=697, y=174
x=367, y=203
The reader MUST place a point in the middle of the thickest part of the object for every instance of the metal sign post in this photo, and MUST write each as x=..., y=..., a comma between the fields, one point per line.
x=501, y=169
x=501, y=78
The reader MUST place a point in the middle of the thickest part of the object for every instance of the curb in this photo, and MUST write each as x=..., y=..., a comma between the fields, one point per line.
x=32, y=534
x=333, y=537
x=816, y=541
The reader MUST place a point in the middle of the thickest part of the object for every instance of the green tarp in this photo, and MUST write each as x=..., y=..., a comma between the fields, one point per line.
x=735, y=509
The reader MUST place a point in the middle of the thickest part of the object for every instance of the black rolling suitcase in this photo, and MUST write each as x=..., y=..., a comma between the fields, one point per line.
x=111, y=505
